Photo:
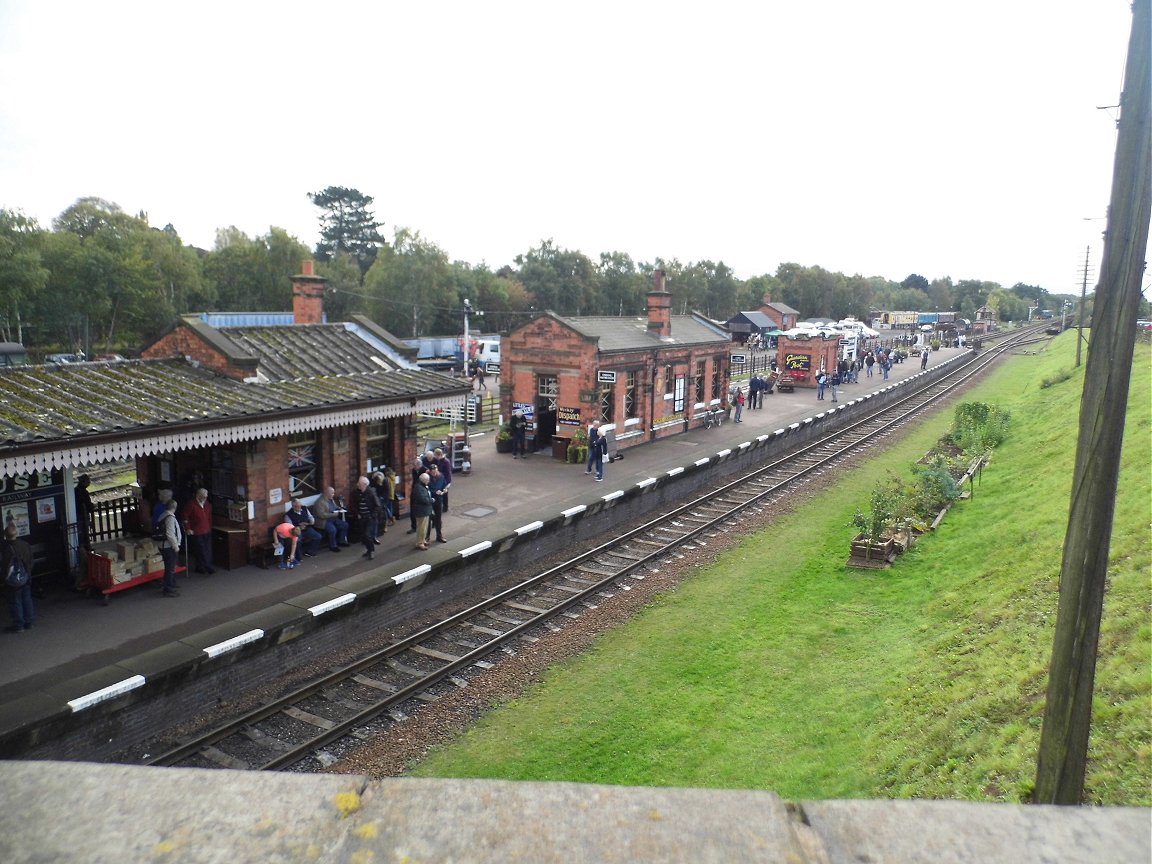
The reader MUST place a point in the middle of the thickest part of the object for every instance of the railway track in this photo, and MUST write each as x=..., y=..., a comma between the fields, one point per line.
x=357, y=700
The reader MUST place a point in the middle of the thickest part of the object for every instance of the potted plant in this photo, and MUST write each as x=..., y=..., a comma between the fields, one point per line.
x=578, y=447
x=504, y=438
x=874, y=542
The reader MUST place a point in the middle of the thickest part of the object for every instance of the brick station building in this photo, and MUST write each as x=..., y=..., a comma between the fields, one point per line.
x=647, y=377
x=258, y=408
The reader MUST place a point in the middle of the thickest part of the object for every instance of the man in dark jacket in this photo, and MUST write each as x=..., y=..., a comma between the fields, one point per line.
x=367, y=508
x=19, y=599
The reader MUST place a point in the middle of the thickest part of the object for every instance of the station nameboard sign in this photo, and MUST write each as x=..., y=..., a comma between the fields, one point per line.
x=606, y=377
x=739, y=359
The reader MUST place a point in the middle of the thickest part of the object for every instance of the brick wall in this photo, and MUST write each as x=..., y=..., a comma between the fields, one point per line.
x=183, y=342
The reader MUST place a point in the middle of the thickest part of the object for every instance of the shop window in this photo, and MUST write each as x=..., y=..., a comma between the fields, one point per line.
x=303, y=465
x=701, y=371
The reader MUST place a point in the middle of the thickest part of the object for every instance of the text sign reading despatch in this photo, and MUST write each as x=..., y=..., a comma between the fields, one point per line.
x=567, y=416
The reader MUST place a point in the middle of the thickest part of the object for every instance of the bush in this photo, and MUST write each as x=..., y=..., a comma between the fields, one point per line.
x=979, y=427
x=934, y=487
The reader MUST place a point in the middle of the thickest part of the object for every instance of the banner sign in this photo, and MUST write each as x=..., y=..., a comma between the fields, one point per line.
x=525, y=408
x=567, y=416
x=798, y=362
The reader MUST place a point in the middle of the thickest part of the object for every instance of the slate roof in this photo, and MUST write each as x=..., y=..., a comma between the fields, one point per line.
x=45, y=404
x=756, y=319
x=784, y=308
x=631, y=334
x=307, y=350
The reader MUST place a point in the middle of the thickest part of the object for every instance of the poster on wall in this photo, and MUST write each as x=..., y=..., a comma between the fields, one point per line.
x=46, y=510
x=798, y=362
x=17, y=515
x=567, y=416
x=525, y=408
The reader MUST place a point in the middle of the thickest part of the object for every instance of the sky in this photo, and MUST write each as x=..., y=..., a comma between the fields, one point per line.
x=882, y=138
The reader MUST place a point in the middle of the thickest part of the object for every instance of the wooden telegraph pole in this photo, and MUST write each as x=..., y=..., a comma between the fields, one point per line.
x=1071, y=676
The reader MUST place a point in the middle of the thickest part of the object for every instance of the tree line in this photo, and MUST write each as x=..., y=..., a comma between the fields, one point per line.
x=102, y=280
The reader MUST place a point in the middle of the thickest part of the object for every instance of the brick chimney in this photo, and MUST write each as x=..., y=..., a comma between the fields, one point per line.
x=659, y=307
x=308, y=296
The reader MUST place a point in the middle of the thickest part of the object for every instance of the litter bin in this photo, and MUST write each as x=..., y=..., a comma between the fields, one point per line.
x=560, y=447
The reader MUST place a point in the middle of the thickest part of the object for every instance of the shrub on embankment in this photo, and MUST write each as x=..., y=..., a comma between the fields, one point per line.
x=779, y=668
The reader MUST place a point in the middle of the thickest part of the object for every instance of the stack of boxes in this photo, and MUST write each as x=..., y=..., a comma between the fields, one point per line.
x=129, y=559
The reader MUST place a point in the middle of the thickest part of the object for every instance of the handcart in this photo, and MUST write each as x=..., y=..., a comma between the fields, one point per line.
x=99, y=577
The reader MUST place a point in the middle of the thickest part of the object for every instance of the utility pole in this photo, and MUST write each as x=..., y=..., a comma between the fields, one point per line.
x=1063, y=752
x=1080, y=317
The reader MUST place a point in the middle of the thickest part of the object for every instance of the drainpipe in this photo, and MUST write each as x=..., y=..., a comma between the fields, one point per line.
x=652, y=399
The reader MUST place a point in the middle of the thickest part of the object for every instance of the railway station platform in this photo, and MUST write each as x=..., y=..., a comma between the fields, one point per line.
x=79, y=645
x=85, y=812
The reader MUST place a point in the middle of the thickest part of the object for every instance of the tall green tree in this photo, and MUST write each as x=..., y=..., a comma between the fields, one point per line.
x=345, y=295
x=347, y=225
x=410, y=289
x=559, y=279
x=22, y=272
x=254, y=274
x=103, y=274
x=623, y=287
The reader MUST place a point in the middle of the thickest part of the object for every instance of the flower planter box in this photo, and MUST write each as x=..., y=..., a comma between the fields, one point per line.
x=872, y=554
x=504, y=446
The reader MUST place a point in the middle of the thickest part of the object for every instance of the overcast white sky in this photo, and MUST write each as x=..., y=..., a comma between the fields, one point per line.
x=882, y=138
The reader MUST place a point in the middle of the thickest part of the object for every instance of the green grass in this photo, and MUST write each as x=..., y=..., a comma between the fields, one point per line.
x=779, y=668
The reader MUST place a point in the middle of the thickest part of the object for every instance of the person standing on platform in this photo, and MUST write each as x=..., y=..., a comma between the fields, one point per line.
x=394, y=492
x=593, y=445
x=421, y=505
x=519, y=430
x=367, y=515
x=834, y=383
x=924, y=358
x=740, y=400
x=163, y=496
x=198, y=527
x=445, y=465
x=19, y=599
x=414, y=472
x=821, y=383
x=170, y=546
x=83, y=512
x=384, y=496
x=753, y=392
x=436, y=523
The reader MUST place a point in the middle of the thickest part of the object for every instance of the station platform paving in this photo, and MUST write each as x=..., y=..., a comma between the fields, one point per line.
x=75, y=635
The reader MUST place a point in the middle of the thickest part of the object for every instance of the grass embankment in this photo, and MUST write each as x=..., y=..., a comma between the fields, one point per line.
x=779, y=668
